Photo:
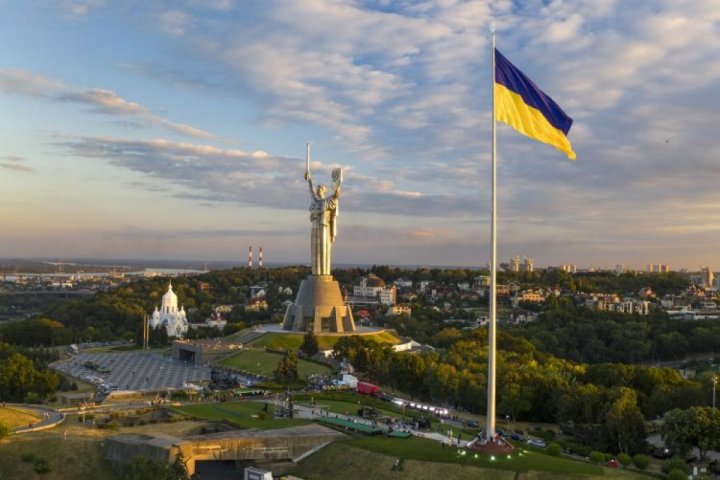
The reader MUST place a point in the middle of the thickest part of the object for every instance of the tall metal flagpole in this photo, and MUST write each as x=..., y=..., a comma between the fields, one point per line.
x=490, y=432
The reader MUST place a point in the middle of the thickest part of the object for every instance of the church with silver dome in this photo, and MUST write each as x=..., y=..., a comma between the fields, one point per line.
x=169, y=317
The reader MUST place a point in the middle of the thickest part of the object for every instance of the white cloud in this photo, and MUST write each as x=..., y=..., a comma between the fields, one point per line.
x=31, y=84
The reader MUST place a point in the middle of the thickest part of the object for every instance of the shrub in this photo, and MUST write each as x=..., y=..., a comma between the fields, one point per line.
x=624, y=459
x=554, y=449
x=5, y=430
x=674, y=463
x=677, y=474
x=641, y=461
x=544, y=434
x=597, y=457
x=28, y=457
x=578, y=448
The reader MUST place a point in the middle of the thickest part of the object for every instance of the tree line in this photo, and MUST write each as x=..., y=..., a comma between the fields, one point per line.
x=605, y=405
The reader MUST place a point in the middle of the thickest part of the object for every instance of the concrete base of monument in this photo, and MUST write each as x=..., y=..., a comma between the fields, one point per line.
x=319, y=307
x=493, y=447
x=278, y=328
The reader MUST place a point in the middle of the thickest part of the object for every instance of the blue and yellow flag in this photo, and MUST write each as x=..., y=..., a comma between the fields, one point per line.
x=526, y=108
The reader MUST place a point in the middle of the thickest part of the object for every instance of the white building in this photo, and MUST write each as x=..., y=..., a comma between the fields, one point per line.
x=169, y=316
x=373, y=286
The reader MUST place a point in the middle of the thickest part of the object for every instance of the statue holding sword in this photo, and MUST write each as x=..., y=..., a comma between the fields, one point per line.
x=323, y=216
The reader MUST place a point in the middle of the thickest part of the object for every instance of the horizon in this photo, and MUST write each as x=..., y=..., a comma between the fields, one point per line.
x=161, y=263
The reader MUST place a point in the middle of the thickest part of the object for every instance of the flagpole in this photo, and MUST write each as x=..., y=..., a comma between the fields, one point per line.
x=490, y=432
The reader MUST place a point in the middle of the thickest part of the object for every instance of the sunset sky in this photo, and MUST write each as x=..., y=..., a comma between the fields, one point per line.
x=177, y=129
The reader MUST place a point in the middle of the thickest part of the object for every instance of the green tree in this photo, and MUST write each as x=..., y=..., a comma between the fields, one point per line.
x=624, y=459
x=178, y=469
x=695, y=427
x=19, y=377
x=624, y=423
x=310, y=346
x=287, y=368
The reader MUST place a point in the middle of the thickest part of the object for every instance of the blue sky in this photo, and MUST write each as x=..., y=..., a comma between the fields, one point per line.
x=176, y=129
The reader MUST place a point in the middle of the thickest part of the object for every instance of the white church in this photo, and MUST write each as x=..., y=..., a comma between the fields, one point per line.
x=169, y=316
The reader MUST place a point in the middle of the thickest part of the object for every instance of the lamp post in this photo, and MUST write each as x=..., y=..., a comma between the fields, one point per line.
x=507, y=417
x=714, y=381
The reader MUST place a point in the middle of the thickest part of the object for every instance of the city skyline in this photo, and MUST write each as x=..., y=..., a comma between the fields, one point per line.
x=177, y=130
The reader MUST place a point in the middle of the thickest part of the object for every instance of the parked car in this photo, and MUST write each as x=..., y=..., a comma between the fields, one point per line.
x=536, y=442
x=517, y=437
x=472, y=424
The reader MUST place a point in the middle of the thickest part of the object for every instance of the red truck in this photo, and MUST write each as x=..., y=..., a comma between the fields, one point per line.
x=365, y=388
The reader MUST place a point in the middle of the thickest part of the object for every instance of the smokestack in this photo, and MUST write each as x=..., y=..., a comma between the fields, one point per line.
x=260, y=258
x=250, y=259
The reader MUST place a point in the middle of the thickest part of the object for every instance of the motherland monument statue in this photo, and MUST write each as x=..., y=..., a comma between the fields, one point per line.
x=319, y=305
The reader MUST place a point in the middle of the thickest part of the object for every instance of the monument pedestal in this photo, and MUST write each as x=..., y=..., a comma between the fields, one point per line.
x=319, y=307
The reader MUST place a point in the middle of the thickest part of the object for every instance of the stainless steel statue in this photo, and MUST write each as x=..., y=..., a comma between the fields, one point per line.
x=319, y=305
x=323, y=216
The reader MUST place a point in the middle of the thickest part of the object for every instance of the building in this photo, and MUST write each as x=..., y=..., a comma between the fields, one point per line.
x=528, y=265
x=256, y=304
x=215, y=320
x=658, y=268
x=373, y=286
x=706, y=277
x=400, y=310
x=169, y=316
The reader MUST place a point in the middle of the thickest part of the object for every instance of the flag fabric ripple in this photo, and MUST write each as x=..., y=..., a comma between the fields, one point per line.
x=526, y=108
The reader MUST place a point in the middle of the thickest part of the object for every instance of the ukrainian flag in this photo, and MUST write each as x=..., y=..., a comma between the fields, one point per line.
x=526, y=108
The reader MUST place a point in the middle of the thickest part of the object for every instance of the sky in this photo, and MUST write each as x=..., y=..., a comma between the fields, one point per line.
x=176, y=130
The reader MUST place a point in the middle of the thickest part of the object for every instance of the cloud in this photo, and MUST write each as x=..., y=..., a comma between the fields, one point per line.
x=14, y=163
x=174, y=22
x=230, y=176
x=78, y=9
x=22, y=82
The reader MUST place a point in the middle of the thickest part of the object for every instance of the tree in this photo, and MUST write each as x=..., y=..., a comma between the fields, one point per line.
x=624, y=423
x=178, y=469
x=695, y=427
x=287, y=368
x=310, y=346
x=19, y=377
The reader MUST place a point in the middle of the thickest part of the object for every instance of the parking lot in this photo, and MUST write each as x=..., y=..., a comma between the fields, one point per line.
x=134, y=371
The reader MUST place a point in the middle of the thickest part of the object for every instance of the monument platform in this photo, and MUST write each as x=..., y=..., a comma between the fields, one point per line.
x=319, y=306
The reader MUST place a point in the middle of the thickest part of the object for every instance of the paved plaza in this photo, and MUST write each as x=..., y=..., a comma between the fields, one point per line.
x=137, y=371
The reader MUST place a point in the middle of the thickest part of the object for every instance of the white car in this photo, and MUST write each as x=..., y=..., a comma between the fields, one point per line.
x=536, y=442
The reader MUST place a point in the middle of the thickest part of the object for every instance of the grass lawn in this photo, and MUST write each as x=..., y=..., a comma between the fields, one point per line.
x=74, y=458
x=374, y=458
x=293, y=341
x=265, y=363
x=244, y=414
x=13, y=416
